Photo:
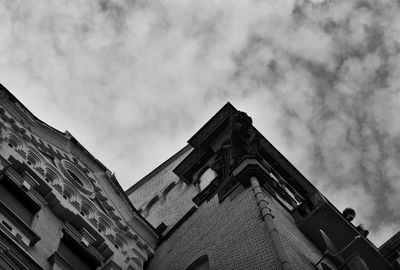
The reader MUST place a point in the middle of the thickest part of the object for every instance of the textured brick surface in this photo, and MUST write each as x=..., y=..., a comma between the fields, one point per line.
x=233, y=235
x=170, y=206
x=300, y=250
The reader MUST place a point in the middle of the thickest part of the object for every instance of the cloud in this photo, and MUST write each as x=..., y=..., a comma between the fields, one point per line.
x=133, y=80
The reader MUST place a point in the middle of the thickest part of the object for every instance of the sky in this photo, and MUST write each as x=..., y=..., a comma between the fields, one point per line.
x=134, y=80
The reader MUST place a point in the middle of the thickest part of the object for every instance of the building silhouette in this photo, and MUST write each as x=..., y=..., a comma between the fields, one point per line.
x=227, y=200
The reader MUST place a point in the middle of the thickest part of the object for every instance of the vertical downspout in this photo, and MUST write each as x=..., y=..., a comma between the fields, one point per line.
x=269, y=222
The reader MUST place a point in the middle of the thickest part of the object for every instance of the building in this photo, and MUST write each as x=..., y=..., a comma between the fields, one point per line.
x=230, y=200
x=227, y=200
x=60, y=208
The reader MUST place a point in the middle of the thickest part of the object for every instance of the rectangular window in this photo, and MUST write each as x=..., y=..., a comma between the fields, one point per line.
x=72, y=253
x=68, y=253
x=17, y=201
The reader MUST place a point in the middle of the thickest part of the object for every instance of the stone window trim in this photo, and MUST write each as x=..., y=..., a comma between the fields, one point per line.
x=76, y=176
x=71, y=235
x=17, y=226
x=16, y=255
x=14, y=140
x=24, y=185
x=201, y=262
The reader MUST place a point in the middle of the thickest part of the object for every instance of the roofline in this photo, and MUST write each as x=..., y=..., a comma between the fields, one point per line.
x=66, y=134
x=72, y=139
x=390, y=241
x=228, y=106
x=163, y=165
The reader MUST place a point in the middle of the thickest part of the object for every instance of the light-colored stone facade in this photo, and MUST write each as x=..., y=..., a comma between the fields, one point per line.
x=72, y=214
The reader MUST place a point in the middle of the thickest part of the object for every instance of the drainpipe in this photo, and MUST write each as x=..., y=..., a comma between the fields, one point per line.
x=269, y=222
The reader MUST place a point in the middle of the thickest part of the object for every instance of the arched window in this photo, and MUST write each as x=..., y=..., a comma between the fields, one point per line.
x=206, y=177
x=201, y=263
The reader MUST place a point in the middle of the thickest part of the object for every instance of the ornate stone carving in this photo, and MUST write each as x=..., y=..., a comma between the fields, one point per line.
x=244, y=139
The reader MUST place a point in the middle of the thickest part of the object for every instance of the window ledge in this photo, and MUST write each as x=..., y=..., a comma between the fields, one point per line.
x=20, y=225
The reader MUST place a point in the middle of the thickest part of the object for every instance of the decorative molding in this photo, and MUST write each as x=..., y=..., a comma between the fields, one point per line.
x=285, y=168
x=87, y=238
x=28, y=181
x=16, y=178
x=77, y=238
x=9, y=215
x=190, y=160
x=200, y=136
x=17, y=254
x=58, y=260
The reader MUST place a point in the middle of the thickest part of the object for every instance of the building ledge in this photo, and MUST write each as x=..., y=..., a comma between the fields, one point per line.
x=317, y=213
x=7, y=214
x=16, y=253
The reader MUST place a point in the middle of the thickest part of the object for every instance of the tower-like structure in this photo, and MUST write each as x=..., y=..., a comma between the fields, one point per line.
x=60, y=207
x=243, y=205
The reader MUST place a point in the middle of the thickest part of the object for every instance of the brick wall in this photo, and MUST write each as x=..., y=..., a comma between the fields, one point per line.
x=301, y=252
x=233, y=236
x=172, y=205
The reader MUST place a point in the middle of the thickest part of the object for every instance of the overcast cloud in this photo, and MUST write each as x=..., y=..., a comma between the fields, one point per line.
x=133, y=80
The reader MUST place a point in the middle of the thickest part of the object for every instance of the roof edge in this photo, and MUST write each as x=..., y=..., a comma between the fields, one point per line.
x=163, y=165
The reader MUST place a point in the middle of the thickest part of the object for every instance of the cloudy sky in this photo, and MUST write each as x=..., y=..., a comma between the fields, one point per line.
x=133, y=80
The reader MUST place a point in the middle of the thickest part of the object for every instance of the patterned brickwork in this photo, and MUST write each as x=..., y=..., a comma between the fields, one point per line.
x=172, y=204
x=301, y=252
x=233, y=235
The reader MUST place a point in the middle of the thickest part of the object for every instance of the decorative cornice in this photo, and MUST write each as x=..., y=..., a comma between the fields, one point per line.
x=223, y=114
x=77, y=238
x=16, y=178
x=242, y=141
x=17, y=254
x=285, y=168
x=24, y=228
x=184, y=167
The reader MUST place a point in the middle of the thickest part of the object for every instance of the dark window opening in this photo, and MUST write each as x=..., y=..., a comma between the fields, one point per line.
x=97, y=202
x=7, y=225
x=75, y=255
x=75, y=177
x=17, y=201
x=201, y=263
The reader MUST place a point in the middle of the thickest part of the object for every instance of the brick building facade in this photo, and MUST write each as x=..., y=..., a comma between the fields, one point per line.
x=227, y=200
x=242, y=205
